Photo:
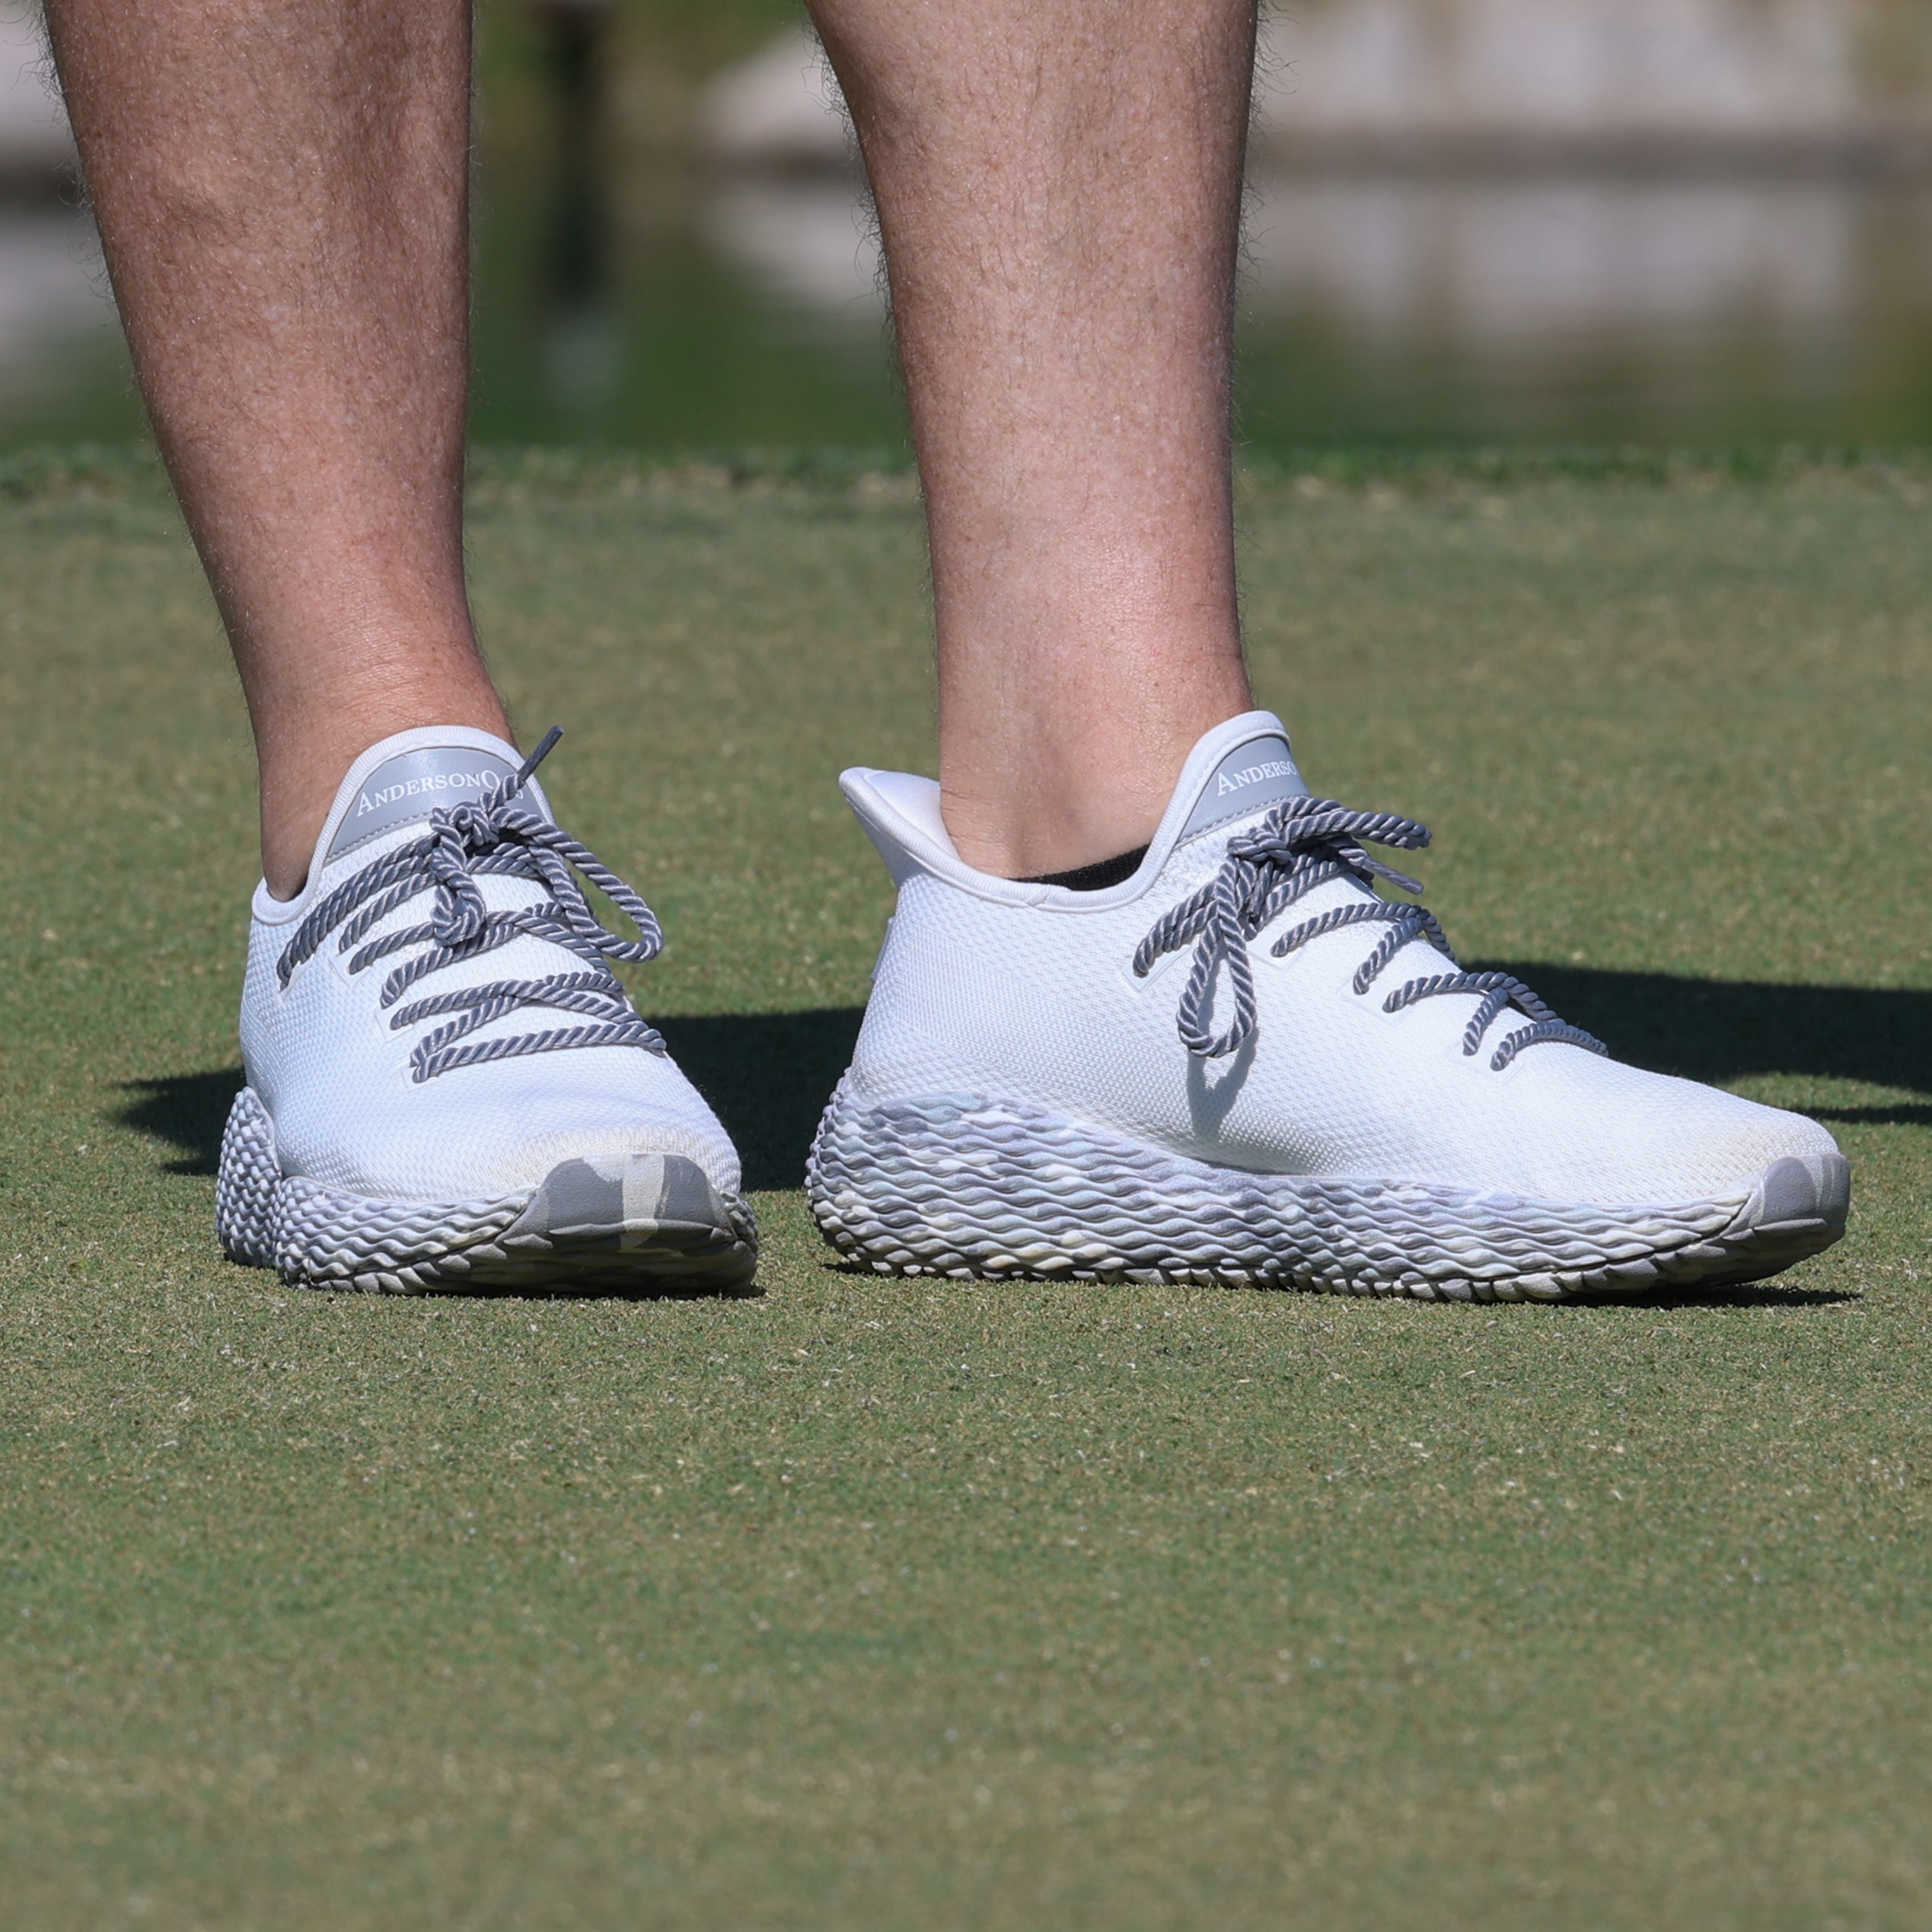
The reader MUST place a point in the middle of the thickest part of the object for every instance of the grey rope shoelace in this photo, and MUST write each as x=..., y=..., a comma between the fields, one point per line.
x=1304, y=842
x=492, y=837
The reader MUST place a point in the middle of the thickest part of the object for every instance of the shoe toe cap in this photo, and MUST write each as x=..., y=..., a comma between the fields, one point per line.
x=481, y=1132
x=1618, y=1133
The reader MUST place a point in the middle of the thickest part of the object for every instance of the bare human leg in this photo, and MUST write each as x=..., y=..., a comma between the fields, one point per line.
x=444, y=1085
x=1058, y=185
x=1035, y=1091
x=282, y=192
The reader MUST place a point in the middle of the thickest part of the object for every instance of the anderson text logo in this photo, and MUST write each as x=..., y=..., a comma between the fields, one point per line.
x=368, y=801
x=1239, y=781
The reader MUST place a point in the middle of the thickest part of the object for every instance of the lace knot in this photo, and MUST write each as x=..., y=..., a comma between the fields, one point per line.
x=458, y=835
x=500, y=838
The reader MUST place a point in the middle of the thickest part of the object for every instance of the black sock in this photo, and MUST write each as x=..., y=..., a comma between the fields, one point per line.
x=1095, y=878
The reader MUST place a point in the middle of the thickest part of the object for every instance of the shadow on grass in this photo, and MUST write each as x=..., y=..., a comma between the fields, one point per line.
x=186, y=1111
x=1725, y=1030
x=770, y=1074
x=1743, y=1294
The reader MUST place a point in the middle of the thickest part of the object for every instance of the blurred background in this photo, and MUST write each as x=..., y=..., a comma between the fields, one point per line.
x=1471, y=221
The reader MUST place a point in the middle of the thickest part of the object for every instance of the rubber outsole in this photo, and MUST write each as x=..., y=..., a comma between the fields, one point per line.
x=963, y=1186
x=652, y=1224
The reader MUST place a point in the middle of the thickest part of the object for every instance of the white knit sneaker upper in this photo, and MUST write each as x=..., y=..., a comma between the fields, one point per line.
x=365, y=1029
x=1351, y=1060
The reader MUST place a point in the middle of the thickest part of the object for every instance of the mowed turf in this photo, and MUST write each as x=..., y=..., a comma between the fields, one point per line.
x=865, y=1604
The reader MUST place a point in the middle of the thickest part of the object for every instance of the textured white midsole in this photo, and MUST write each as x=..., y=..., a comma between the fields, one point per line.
x=961, y=1185
x=320, y=1237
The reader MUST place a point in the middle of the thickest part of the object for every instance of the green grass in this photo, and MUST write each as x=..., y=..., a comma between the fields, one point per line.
x=866, y=1604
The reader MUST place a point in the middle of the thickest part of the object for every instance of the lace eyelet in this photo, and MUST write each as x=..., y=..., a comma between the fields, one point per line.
x=1305, y=842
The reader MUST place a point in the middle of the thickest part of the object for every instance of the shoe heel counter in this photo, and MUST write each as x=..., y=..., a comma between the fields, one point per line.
x=913, y=1033
x=872, y=1051
x=900, y=813
x=260, y=997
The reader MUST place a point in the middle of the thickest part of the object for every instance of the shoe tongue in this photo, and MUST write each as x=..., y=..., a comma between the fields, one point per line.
x=1259, y=772
x=413, y=784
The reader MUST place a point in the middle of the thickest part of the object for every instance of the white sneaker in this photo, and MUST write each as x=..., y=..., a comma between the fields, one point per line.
x=1242, y=1064
x=447, y=1086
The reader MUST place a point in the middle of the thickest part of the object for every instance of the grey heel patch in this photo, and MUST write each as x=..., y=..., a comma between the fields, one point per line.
x=685, y=1197
x=1814, y=1190
x=577, y=1202
x=630, y=1203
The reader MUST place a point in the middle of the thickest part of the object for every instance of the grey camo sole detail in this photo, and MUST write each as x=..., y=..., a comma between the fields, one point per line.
x=652, y=1225
x=956, y=1185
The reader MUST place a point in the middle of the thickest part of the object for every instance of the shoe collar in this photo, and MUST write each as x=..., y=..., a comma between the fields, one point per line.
x=1234, y=774
x=389, y=792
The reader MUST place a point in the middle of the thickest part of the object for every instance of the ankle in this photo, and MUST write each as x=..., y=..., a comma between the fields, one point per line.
x=1029, y=834
x=301, y=771
x=1032, y=804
